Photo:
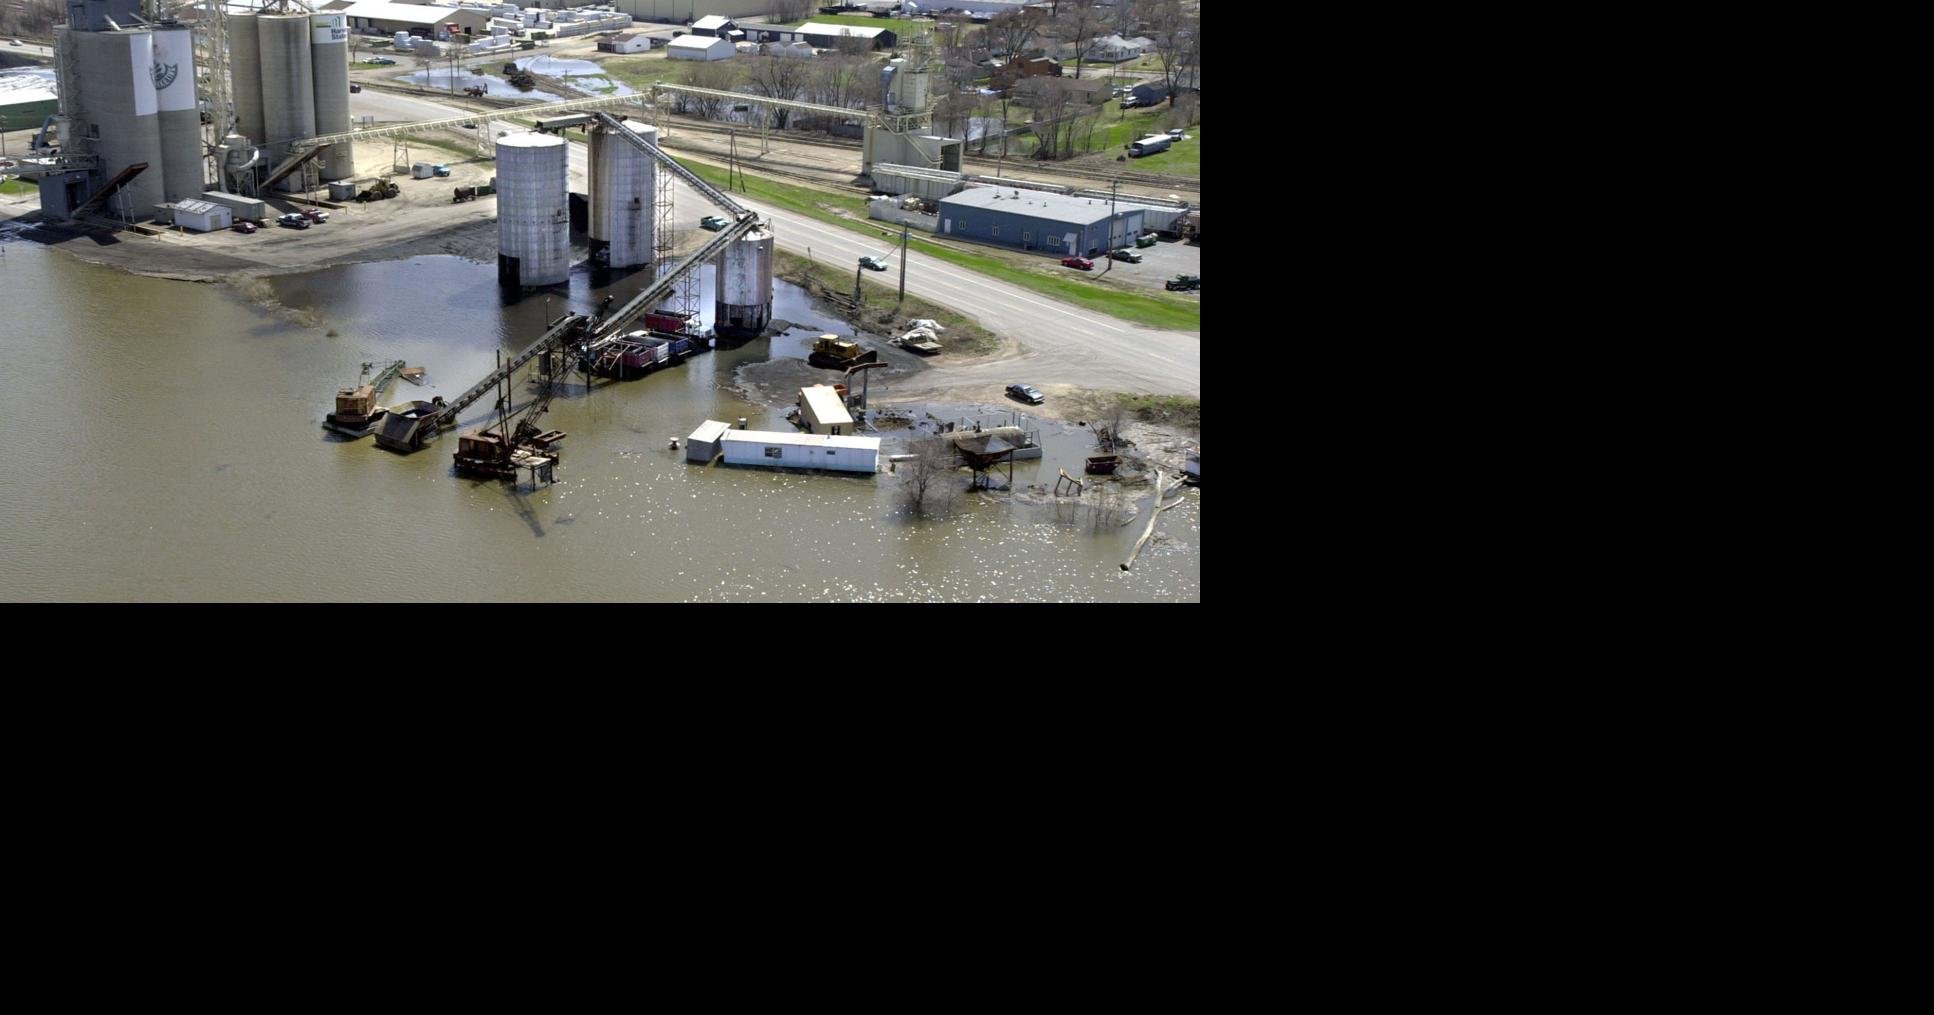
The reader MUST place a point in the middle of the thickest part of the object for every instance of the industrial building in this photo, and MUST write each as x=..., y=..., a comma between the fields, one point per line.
x=719, y=27
x=931, y=8
x=1035, y=220
x=823, y=411
x=827, y=36
x=27, y=98
x=675, y=12
x=384, y=17
x=800, y=450
x=630, y=42
x=131, y=123
x=698, y=47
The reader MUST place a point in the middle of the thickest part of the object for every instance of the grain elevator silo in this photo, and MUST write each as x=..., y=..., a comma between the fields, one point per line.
x=108, y=100
x=184, y=166
x=744, y=304
x=533, y=210
x=329, y=58
x=288, y=87
x=245, y=75
x=623, y=185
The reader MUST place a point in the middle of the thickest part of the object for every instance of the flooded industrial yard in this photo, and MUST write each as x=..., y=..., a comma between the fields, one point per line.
x=167, y=446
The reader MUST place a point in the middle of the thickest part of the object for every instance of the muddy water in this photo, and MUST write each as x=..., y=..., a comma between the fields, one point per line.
x=166, y=445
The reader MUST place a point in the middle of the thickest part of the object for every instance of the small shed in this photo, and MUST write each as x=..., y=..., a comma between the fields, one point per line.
x=630, y=42
x=202, y=216
x=714, y=25
x=801, y=450
x=823, y=410
x=703, y=445
x=698, y=47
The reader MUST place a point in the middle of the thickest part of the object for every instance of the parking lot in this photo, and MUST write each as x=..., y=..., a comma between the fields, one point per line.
x=1161, y=262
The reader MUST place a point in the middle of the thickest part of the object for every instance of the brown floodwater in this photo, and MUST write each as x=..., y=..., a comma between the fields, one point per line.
x=167, y=445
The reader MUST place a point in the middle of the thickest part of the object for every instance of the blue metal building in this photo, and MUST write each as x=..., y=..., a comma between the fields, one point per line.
x=1034, y=220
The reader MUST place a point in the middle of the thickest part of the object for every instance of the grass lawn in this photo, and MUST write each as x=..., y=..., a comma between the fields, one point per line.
x=366, y=65
x=641, y=71
x=1140, y=308
x=18, y=187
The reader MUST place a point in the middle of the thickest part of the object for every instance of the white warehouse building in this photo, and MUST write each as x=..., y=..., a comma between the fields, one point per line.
x=699, y=47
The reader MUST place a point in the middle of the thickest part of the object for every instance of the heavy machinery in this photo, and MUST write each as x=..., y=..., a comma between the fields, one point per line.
x=382, y=191
x=464, y=194
x=835, y=353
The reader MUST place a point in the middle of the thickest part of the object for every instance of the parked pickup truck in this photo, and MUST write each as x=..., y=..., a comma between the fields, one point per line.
x=1183, y=283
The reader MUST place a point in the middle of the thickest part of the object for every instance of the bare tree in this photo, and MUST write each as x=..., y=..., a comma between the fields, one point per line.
x=1052, y=101
x=1080, y=24
x=777, y=77
x=923, y=481
x=1008, y=34
x=1173, y=32
x=719, y=75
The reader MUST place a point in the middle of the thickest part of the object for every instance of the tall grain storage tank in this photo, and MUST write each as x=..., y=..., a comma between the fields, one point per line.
x=288, y=87
x=245, y=75
x=745, y=286
x=184, y=160
x=623, y=186
x=329, y=56
x=533, y=211
x=115, y=72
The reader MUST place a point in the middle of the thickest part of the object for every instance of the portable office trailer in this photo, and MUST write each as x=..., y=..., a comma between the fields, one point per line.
x=801, y=450
x=703, y=445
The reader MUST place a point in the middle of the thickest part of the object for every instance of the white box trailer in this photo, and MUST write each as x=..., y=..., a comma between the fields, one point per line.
x=801, y=450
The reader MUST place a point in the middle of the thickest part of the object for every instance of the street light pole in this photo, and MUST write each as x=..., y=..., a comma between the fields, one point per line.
x=903, y=262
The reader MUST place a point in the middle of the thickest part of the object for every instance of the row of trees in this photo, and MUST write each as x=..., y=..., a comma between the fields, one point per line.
x=32, y=18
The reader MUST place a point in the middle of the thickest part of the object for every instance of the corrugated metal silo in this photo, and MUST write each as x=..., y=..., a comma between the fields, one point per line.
x=329, y=56
x=533, y=216
x=745, y=286
x=623, y=187
x=288, y=87
x=184, y=165
x=115, y=74
x=245, y=75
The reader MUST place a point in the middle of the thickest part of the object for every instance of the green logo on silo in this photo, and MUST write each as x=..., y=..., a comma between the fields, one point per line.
x=164, y=75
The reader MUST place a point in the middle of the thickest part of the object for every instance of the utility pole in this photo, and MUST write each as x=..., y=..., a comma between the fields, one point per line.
x=903, y=262
x=1112, y=186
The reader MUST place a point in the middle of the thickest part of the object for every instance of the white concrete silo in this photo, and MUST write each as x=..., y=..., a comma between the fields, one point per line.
x=744, y=304
x=245, y=75
x=113, y=111
x=288, y=87
x=623, y=186
x=533, y=210
x=184, y=161
x=329, y=58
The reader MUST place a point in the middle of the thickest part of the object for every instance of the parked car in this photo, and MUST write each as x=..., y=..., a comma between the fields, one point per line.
x=1077, y=262
x=316, y=215
x=382, y=61
x=1175, y=133
x=1026, y=394
x=1125, y=254
x=294, y=221
x=440, y=170
x=1128, y=102
x=243, y=227
x=15, y=42
x=872, y=264
x=1183, y=283
x=714, y=222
